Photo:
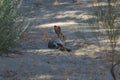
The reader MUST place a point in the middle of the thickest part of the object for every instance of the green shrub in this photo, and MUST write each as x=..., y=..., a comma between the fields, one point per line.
x=9, y=30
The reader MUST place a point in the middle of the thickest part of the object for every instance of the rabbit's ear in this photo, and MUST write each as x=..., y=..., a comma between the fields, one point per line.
x=59, y=29
x=61, y=34
x=55, y=26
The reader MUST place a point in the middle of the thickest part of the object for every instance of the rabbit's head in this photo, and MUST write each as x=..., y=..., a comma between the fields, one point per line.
x=58, y=32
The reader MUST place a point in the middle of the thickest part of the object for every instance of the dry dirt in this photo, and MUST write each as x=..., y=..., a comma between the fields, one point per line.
x=37, y=62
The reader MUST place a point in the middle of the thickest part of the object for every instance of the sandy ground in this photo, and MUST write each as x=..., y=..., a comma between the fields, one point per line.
x=37, y=62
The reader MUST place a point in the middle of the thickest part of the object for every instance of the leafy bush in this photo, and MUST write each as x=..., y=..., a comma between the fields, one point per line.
x=9, y=29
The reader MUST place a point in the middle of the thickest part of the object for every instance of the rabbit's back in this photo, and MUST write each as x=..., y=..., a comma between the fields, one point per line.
x=55, y=43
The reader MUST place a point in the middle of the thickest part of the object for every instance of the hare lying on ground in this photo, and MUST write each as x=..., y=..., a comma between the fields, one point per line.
x=59, y=42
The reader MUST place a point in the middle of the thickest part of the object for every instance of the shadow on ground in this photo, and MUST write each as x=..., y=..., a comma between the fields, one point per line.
x=51, y=65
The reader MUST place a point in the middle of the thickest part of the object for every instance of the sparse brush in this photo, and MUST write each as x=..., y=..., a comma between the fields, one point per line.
x=107, y=14
x=10, y=30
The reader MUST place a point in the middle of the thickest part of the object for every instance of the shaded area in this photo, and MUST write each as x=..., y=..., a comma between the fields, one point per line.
x=47, y=65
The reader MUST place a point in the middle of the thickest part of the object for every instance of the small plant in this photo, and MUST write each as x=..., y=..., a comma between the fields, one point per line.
x=107, y=19
x=10, y=30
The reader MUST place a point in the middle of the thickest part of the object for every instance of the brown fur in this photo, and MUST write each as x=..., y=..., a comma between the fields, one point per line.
x=57, y=30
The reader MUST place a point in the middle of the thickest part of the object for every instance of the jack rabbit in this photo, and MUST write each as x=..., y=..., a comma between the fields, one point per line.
x=59, y=42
